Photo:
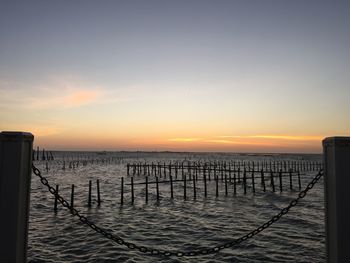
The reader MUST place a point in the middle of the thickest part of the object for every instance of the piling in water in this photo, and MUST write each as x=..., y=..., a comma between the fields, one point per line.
x=98, y=192
x=89, y=196
x=184, y=187
x=122, y=191
x=280, y=177
x=171, y=187
x=132, y=190
x=72, y=197
x=56, y=198
x=146, y=189
x=157, y=188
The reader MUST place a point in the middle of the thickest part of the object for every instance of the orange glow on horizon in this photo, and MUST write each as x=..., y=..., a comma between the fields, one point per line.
x=251, y=143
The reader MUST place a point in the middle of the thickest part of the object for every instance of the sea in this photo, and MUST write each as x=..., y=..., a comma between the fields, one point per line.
x=174, y=224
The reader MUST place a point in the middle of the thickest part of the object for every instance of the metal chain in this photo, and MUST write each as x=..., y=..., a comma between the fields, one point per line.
x=167, y=253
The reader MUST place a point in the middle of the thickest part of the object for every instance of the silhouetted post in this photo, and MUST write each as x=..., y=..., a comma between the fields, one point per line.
x=15, y=175
x=272, y=181
x=132, y=190
x=157, y=187
x=253, y=180
x=184, y=187
x=171, y=187
x=337, y=195
x=146, y=189
x=226, y=191
x=299, y=181
x=98, y=192
x=56, y=198
x=122, y=191
x=217, y=185
x=89, y=197
x=194, y=187
x=234, y=184
x=72, y=197
x=263, y=180
x=280, y=177
x=205, y=185
x=245, y=181
x=290, y=180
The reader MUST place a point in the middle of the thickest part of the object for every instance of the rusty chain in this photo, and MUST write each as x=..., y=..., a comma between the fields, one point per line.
x=168, y=253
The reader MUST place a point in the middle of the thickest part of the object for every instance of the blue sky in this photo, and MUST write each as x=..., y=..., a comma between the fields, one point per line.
x=153, y=71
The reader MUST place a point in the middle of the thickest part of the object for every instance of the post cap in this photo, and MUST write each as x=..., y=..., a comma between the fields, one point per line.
x=336, y=141
x=16, y=135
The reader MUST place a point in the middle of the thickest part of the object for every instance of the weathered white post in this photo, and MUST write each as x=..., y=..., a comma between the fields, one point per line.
x=15, y=173
x=337, y=198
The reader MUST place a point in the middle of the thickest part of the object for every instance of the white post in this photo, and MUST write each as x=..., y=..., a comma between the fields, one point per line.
x=15, y=174
x=337, y=198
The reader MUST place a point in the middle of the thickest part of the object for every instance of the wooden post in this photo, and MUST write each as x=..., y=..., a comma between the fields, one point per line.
x=226, y=191
x=263, y=180
x=253, y=180
x=280, y=177
x=185, y=187
x=336, y=154
x=122, y=191
x=299, y=181
x=194, y=187
x=98, y=192
x=245, y=181
x=132, y=190
x=146, y=189
x=171, y=187
x=15, y=176
x=157, y=186
x=89, y=197
x=290, y=180
x=272, y=181
x=217, y=185
x=72, y=197
x=234, y=184
x=205, y=185
x=56, y=199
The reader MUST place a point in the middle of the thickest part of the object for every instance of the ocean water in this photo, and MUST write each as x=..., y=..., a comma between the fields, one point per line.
x=172, y=224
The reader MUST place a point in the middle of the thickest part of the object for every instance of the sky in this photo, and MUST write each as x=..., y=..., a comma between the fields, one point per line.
x=223, y=76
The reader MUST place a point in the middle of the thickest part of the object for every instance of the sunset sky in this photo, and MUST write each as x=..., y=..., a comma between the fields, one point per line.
x=233, y=76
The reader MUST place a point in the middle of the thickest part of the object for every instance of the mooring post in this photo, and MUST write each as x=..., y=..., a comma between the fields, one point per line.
x=171, y=187
x=56, y=198
x=98, y=192
x=15, y=175
x=337, y=195
x=72, y=197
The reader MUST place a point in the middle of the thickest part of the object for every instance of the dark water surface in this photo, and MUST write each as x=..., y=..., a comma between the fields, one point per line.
x=172, y=224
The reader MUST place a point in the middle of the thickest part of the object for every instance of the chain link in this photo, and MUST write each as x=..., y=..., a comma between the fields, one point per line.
x=167, y=253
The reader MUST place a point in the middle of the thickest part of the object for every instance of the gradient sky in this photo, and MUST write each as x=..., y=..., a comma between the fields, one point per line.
x=238, y=76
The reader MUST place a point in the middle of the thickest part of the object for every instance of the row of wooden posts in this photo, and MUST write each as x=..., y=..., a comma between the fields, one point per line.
x=162, y=169
x=244, y=180
x=45, y=155
x=234, y=181
x=73, y=164
x=72, y=195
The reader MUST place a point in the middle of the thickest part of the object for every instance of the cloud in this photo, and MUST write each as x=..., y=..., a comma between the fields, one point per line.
x=259, y=140
x=185, y=139
x=278, y=137
x=49, y=95
x=66, y=98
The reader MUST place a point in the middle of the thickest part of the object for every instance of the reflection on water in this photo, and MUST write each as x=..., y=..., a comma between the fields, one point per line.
x=172, y=224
